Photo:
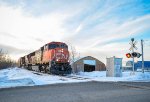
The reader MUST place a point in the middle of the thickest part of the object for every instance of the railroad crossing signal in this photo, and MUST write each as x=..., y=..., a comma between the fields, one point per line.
x=136, y=54
x=132, y=55
x=133, y=45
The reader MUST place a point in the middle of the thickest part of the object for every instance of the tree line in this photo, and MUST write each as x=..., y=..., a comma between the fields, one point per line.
x=5, y=60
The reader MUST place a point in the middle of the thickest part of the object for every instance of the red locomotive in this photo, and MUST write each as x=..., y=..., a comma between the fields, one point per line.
x=52, y=57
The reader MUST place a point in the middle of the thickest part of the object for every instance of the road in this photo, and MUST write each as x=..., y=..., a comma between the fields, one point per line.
x=79, y=92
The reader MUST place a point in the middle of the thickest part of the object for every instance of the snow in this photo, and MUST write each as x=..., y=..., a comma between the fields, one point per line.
x=127, y=76
x=13, y=77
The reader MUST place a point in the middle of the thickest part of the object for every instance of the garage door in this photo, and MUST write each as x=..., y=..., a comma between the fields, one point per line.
x=89, y=68
x=89, y=65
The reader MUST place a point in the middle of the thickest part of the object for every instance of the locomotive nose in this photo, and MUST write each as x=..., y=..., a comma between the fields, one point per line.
x=61, y=55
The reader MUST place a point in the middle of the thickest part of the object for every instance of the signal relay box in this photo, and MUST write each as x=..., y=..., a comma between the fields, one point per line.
x=114, y=67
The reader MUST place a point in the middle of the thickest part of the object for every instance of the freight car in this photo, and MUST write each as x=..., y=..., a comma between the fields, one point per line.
x=53, y=57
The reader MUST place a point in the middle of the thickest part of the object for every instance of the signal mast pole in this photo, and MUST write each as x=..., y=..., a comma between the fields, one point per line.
x=142, y=56
x=132, y=47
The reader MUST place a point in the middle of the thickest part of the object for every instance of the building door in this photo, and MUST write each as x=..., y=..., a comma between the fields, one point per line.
x=89, y=68
x=89, y=65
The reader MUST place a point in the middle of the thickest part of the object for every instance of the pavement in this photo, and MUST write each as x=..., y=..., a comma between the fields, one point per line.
x=80, y=92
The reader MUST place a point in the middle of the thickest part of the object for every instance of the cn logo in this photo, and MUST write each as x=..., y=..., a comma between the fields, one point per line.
x=61, y=56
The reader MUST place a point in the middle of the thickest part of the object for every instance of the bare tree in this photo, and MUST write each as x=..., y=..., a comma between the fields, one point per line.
x=74, y=55
x=5, y=60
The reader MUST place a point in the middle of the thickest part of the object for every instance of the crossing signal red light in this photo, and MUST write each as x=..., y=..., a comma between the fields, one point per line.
x=128, y=55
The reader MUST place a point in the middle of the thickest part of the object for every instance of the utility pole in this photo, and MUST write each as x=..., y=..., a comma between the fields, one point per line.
x=142, y=56
x=132, y=48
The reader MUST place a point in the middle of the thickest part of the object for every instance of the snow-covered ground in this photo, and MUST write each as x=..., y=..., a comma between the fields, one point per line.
x=126, y=76
x=13, y=77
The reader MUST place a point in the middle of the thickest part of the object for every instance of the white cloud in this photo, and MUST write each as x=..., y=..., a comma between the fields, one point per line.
x=110, y=31
x=78, y=28
x=26, y=27
x=89, y=30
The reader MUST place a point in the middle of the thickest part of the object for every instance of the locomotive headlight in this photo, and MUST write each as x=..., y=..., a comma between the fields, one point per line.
x=62, y=50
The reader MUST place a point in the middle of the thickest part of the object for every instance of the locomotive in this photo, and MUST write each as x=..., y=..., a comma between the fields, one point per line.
x=53, y=57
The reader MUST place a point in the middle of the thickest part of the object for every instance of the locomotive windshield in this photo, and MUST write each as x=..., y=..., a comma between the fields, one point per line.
x=52, y=46
x=63, y=46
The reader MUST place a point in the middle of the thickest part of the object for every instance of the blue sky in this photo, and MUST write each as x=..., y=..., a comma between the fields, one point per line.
x=98, y=28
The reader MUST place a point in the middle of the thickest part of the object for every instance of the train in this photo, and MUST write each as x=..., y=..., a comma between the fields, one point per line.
x=51, y=58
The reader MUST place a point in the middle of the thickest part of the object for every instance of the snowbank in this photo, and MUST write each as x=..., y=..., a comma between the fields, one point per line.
x=127, y=76
x=13, y=77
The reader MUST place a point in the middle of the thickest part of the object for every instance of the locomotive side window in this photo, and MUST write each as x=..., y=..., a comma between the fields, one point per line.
x=52, y=46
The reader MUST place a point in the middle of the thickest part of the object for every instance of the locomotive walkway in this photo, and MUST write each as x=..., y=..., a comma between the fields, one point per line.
x=80, y=92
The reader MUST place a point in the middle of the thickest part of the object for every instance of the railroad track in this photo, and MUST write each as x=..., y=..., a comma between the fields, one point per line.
x=68, y=76
x=76, y=77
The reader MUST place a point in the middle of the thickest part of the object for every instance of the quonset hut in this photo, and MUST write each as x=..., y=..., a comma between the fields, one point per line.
x=88, y=64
